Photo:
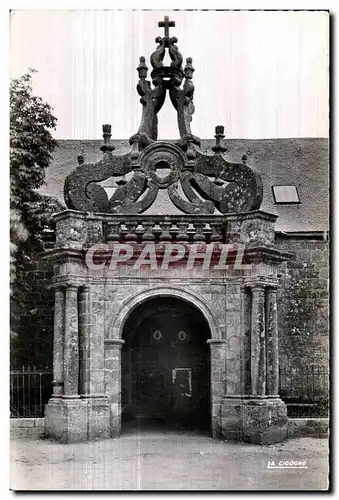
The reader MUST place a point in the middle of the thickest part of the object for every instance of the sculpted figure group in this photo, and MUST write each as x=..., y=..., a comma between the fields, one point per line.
x=197, y=183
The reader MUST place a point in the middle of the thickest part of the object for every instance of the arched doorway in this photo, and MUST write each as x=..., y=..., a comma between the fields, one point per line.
x=166, y=365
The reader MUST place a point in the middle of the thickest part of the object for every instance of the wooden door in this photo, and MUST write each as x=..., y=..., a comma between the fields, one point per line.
x=170, y=366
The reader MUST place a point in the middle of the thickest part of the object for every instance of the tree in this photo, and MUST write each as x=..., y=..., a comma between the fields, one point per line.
x=31, y=145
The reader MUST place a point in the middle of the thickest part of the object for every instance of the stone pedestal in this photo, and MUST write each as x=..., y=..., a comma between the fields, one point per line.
x=66, y=420
x=98, y=418
x=254, y=420
x=76, y=420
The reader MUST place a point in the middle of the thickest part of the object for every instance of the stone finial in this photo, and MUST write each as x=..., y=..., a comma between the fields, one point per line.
x=106, y=132
x=166, y=42
x=142, y=68
x=81, y=158
x=219, y=135
x=188, y=71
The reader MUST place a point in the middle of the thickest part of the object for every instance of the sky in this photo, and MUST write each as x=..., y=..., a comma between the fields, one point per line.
x=261, y=74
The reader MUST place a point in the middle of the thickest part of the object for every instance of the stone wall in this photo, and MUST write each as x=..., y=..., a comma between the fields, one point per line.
x=27, y=427
x=33, y=328
x=303, y=305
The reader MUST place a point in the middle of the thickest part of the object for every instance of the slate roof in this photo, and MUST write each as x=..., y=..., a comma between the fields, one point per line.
x=303, y=162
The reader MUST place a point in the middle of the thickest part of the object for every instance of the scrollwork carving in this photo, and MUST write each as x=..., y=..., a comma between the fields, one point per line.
x=81, y=191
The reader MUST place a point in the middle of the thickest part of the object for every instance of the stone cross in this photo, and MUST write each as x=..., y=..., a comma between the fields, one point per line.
x=166, y=23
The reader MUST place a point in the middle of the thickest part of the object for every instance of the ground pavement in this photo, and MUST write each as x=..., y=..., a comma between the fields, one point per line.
x=166, y=460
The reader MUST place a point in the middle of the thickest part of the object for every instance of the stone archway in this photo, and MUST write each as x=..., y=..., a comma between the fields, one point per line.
x=114, y=345
x=193, y=298
x=165, y=365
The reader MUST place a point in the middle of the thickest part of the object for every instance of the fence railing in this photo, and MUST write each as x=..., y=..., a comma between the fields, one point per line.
x=30, y=390
x=305, y=391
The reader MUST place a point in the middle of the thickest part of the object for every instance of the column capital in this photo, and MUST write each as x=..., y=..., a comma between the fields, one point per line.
x=262, y=285
x=216, y=342
x=259, y=287
x=273, y=287
x=93, y=396
x=72, y=287
x=85, y=288
x=65, y=283
x=118, y=343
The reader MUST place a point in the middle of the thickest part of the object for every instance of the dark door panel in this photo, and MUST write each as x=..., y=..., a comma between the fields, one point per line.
x=152, y=398
x=168, y=364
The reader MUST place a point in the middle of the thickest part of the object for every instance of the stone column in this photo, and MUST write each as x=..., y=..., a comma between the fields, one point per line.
x=258, y=341
x=71, y=346
x=245, y=384
x=98, y=421
x=66, y=417
x=259, y=416
x=58, y=342
x=272, y=348
x=113, y=382
x=217, y=381
x=84, y=340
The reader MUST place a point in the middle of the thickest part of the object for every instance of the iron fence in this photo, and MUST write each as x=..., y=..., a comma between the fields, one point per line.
x=30, y=390
x=305, y=391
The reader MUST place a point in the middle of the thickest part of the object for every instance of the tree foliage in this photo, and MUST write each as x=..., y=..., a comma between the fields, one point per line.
x=31, y=145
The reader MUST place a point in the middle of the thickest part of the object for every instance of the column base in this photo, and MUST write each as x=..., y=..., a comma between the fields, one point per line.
x=77, y=420
x=216, y=421
x=115, y=419
x=254, y=420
